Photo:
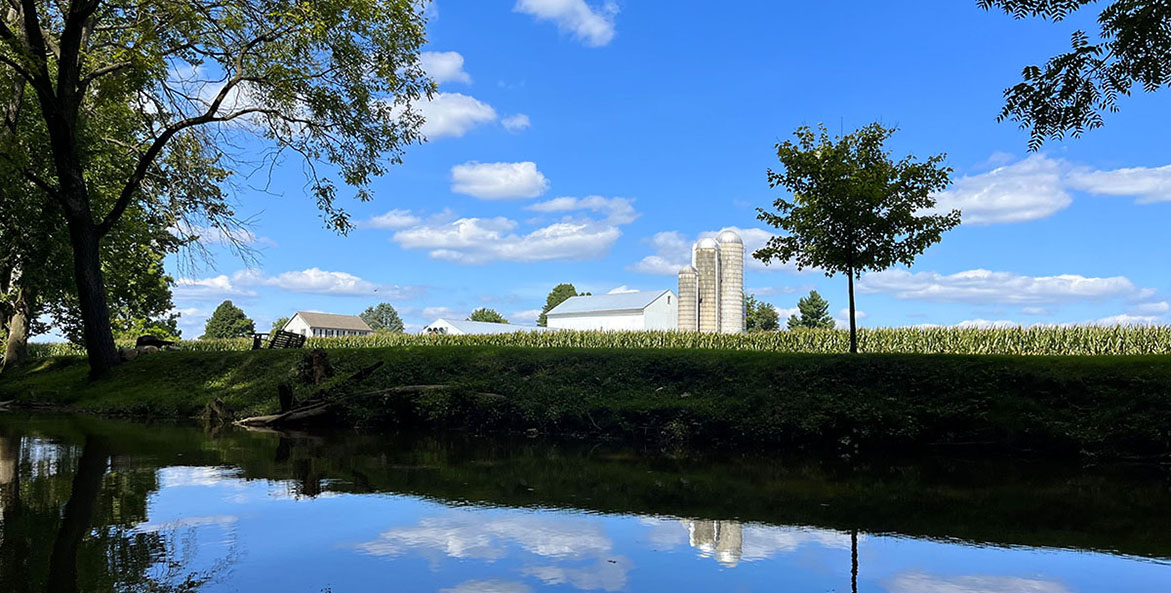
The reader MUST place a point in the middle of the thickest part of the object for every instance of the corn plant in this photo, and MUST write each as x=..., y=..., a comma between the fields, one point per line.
x=1049, y=340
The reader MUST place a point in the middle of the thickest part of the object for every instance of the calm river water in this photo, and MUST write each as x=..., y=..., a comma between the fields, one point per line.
x=95, y=505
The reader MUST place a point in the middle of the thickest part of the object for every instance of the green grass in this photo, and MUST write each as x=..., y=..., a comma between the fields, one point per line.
x=1117, y=405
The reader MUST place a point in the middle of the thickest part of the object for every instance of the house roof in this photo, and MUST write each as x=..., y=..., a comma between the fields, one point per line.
x=623, y=301
x=484, y=327
x=331, y=321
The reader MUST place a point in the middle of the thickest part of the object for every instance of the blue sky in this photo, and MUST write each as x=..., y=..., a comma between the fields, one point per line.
x=591, y=142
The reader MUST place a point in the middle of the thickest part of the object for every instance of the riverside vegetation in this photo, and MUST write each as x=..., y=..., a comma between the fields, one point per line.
x=1116, y=406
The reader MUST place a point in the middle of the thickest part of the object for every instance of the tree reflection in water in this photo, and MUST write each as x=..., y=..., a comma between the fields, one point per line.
x=69, y=516
x=74, y=492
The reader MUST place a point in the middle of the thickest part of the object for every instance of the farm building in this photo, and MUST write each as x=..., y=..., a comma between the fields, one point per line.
x=327, y=325
x=452, y=327
x=628, y=311
x=711, y=289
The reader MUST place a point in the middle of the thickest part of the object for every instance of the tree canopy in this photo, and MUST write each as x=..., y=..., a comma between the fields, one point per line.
x=1072, y=91
x=487, y=315
x=853, y=208
x=383, y=318
x=175, y=86
x=812, y=313
x=759, y=315
x=279, y=324
x=228, y=321
x=558, y=295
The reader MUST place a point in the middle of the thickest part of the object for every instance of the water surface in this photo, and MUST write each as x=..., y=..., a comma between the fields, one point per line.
x=95, y=505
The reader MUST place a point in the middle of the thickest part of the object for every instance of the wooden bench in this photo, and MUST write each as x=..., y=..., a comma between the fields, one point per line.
x=278, y=339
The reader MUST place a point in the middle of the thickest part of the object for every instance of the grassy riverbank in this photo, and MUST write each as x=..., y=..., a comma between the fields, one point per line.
x=1117, y=405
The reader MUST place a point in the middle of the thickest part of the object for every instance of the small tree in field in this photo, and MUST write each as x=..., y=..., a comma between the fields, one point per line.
x=228, y=321
x=383, y=318
x=487, y=315
x=853, y=208
x=558, y=295
x=814, y=313
x=759, y=315
x=279, y=324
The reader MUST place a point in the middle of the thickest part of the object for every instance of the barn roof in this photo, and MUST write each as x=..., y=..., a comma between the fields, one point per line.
x=331, y=321
x=484, y=327
x=602, y=303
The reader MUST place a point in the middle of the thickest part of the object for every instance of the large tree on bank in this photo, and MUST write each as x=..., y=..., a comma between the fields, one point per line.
x=853, y=209
x=331, y=81
x=1070, y=93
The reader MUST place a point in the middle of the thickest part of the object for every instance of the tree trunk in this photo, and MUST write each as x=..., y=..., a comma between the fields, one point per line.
x=75, y=522
x=853, y=322
x=854, y=561
x=16, y=348
x=91, y=297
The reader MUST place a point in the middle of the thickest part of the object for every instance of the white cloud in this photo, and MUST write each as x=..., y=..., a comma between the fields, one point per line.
x=1027, y=190
x=445, y=66
x=484, y=536
x=673, y=251
x=914, y=582
x=1147, y=184
x=1127, y=319
x=479, y=241
x=214, y=288
x=318, y=281
x=453, y=114
x=309, y=281
x=1005, y=288
x=203, y=477
x=1151, y=308
x=528, y=316
x=622, y=290
x=516, y=123
x=986, y=324
x=442, y=313
x=495, y=586
x=606, y=575
x=616, y=210
x=1038, y=187
x=497, y=181
x=393, y=220
x=592, y=26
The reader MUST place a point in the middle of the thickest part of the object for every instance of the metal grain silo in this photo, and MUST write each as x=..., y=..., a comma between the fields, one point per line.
x=688, y=299
x=707, y=264
x=731, y=282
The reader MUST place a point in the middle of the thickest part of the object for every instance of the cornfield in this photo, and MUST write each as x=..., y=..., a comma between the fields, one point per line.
x=1074, y=340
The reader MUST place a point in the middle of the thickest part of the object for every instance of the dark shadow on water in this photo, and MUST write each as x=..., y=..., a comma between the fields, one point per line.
x=69, y=509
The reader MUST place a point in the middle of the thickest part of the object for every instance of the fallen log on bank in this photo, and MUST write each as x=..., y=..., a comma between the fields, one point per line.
x=321, y=409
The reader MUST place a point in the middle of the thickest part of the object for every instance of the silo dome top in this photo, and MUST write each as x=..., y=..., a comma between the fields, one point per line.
x=707, y=243
x=729, y=237
x=688, y=270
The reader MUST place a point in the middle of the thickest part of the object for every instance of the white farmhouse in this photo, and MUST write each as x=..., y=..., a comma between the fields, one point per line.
x=629, y=311
x=452, y=327
x=327, y=325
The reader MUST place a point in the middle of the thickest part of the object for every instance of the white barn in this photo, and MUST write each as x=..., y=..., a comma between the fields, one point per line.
x=629, y=311
x=327, y=325
x=452, y=327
